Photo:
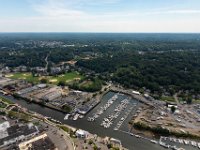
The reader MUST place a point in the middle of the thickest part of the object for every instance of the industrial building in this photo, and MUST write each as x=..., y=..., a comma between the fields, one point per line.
x=13, y=134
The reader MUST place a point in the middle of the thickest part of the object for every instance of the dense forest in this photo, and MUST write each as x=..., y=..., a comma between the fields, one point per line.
x=33, y=57
x=156, y=71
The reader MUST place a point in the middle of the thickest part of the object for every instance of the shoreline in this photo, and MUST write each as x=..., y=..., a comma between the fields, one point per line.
x=18, y=97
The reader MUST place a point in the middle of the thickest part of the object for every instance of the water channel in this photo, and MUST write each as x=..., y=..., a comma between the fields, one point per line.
x=127, y=140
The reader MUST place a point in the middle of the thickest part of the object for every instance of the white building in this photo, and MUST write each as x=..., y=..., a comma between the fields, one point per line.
x=81, y=133
x=136, y=92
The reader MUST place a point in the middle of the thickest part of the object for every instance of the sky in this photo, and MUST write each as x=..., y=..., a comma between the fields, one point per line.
x=173, y=16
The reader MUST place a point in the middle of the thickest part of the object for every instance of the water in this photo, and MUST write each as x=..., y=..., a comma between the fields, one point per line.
x=128, y=141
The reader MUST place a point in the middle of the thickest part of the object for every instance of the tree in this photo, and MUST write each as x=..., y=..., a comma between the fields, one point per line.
x=173, y=109
x=61, y=83
x=90, y=142
x=95, y=147
x=109, y=146
x=189, y=100
x=67, y=108
x=43, y=80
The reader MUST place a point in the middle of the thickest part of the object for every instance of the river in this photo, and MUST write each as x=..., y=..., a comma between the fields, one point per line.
x=128, y=141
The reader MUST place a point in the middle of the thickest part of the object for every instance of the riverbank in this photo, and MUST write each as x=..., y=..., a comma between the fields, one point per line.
x=127, y=140
x=163, y=131
x=134, y=96
x=39, y=103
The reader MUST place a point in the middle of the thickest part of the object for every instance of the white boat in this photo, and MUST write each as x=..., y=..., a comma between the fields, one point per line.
x=198, y=145
x=186, y=142
x=115, y=129
x=137, y=136
x=181, y=141
x=76, y=117
x=66, y=117
x=81, y=116
x=154, y=141
x=131, y=134
x=174, y=139
x=193, y=143
x=122, y=119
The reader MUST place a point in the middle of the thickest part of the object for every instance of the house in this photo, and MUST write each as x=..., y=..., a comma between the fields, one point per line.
x=20, y=69
x=56, y=70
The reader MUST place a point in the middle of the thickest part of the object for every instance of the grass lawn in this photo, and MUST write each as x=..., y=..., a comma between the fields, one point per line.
x=24, y=76
x=67, y=77
x=197, y=101
x=167, y=99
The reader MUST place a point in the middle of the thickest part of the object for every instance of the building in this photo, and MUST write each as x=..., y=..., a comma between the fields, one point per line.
x=5, y=70
x=6, y=81
x=42, y=86
x=55, y=70
x=41, y=142
x=136, y=92
x=13, y=134
x=52, y=95
x=31, y=89
x=81, y=133
x=27, y=90
x=20, y=69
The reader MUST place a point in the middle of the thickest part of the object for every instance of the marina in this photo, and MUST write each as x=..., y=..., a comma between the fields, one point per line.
x=108, y=121
x=102, y=109
x=129, y=140
x=123, y=118
x=175, y=143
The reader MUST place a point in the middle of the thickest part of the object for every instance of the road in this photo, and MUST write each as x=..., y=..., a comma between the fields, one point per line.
x=176, y=99
x=129, y=92
x=46, y=60
x=69, y=142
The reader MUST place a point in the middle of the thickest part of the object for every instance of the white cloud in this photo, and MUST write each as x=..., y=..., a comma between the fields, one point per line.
x=65, y=16
x=55, y=9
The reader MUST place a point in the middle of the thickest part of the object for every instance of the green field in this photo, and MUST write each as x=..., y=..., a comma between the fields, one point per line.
x=23, y=76
x=67, y=77
x=167, y=99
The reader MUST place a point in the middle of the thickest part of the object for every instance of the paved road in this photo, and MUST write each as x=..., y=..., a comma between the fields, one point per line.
x=129, y=92
x=54, y=133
